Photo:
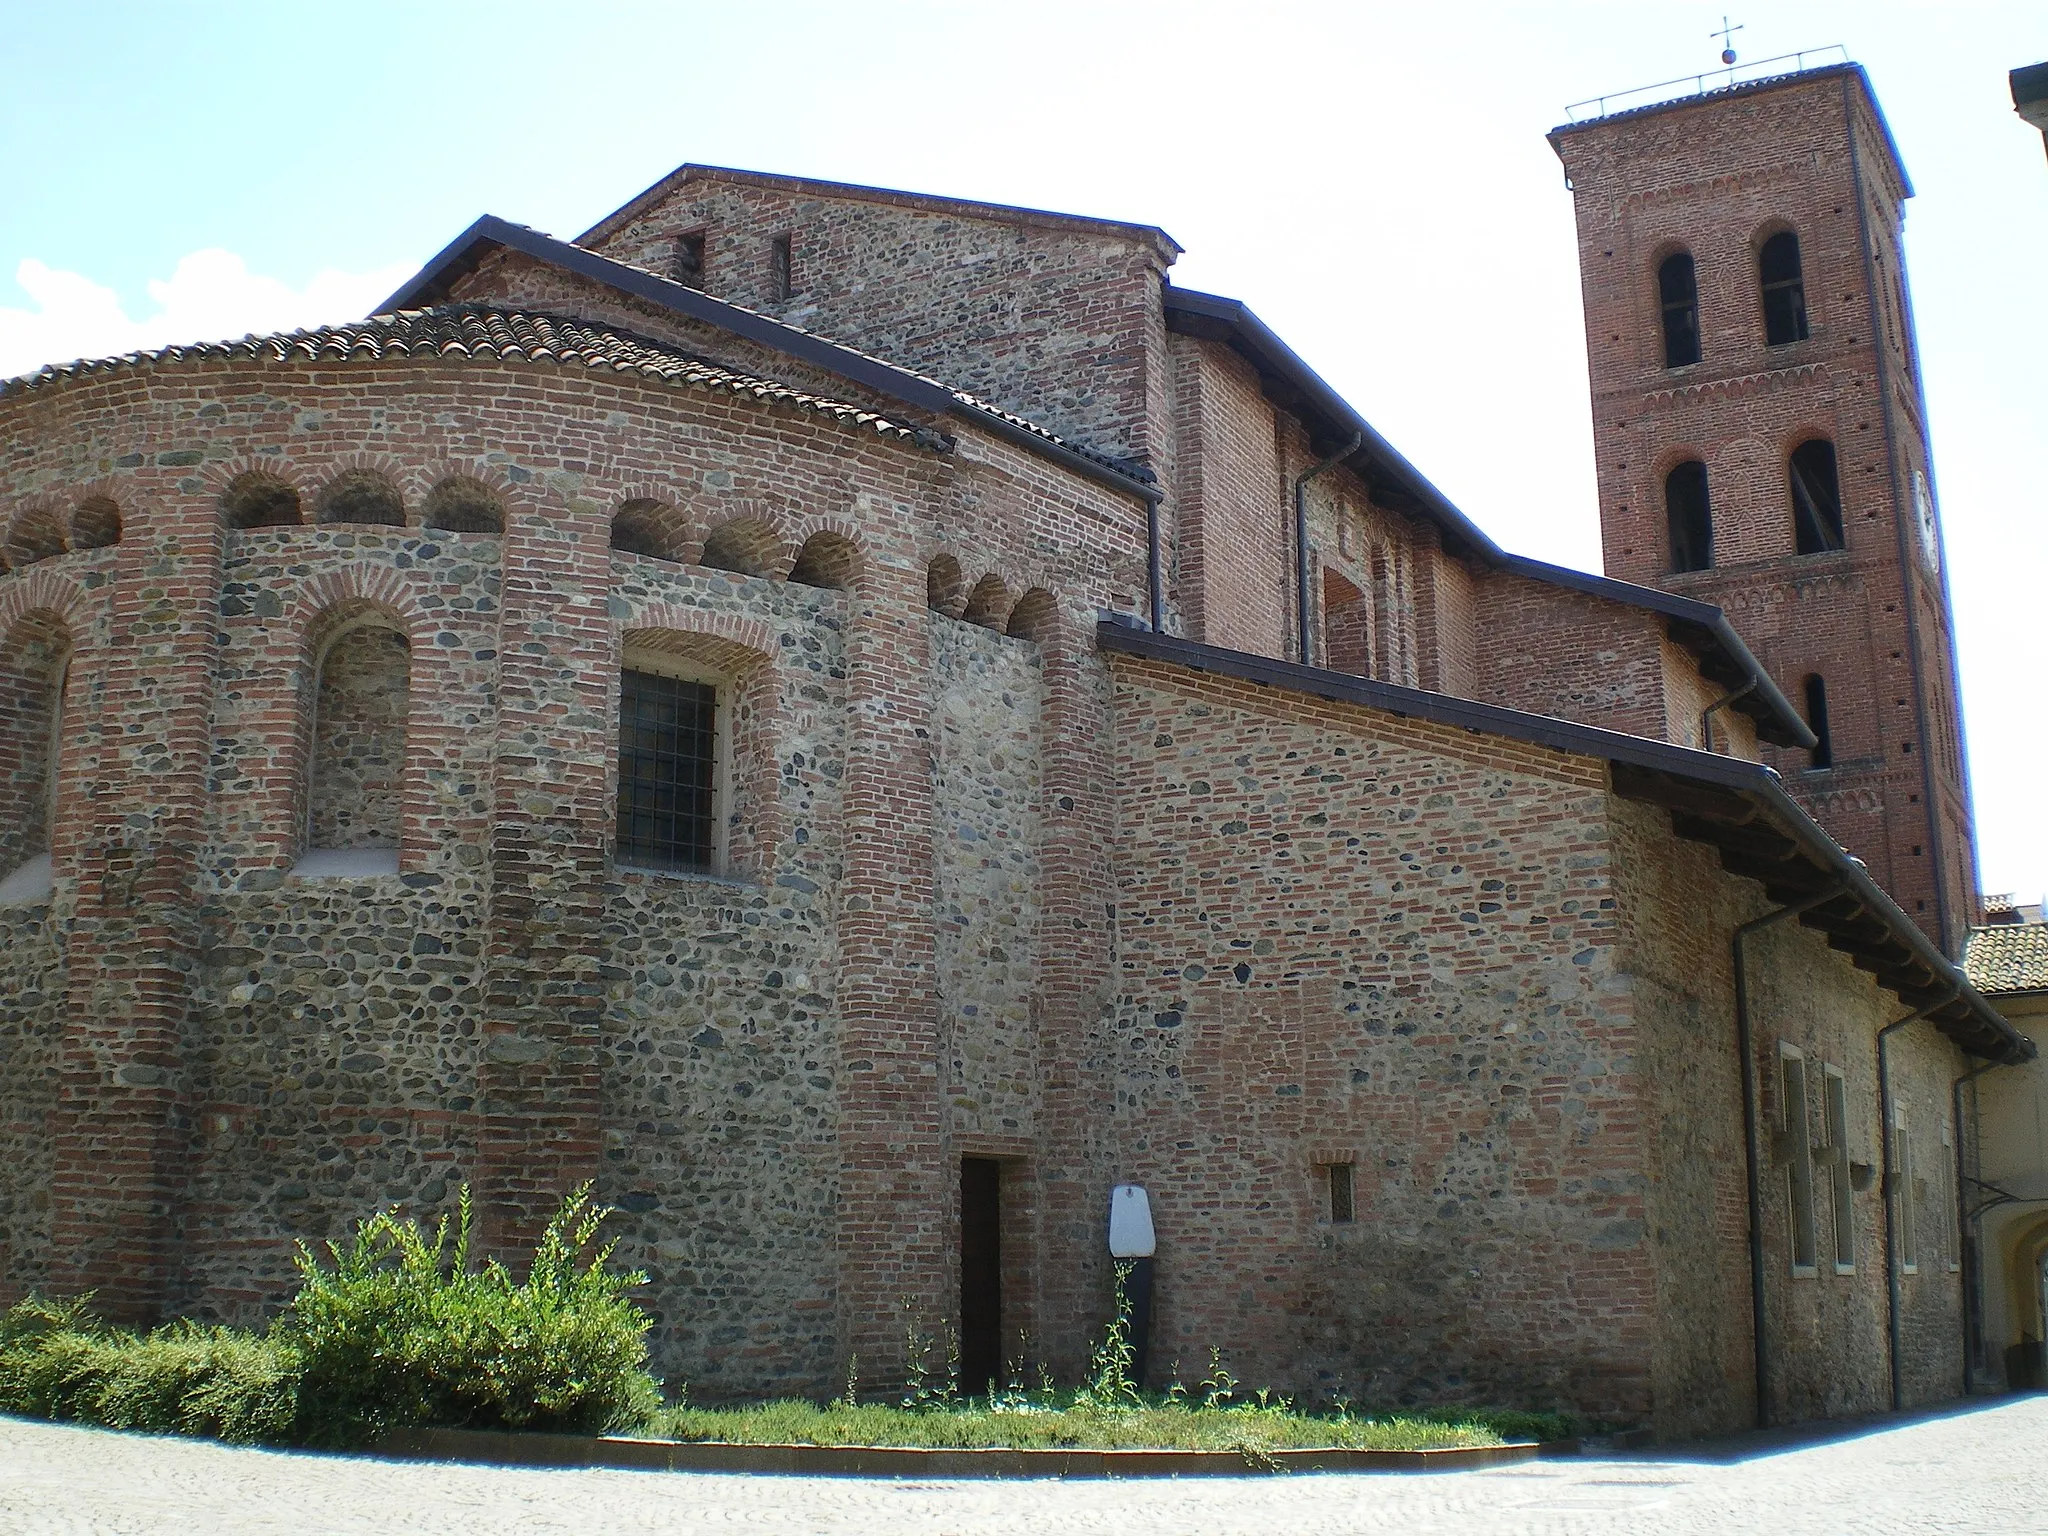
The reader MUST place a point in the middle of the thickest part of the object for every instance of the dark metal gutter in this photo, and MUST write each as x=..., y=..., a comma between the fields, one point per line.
x=1700, y=627
x=434, y=282
x=1299, y=388
x=1905, y=960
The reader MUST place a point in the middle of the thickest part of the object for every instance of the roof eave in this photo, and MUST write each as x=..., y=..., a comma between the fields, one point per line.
x=489, y=233
x=1728, y=795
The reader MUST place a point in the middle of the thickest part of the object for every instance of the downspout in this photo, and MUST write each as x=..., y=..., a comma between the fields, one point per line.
x=1707, y=714
x=1891, y=1217
x=1301, y=592
x=1752, y=1160
x=1154, y=582
x=1973, y=1300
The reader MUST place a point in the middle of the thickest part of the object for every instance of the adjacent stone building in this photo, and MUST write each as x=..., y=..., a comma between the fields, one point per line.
x=859, y=721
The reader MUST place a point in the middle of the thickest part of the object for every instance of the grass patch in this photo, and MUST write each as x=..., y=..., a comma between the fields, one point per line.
x=1073, y=1422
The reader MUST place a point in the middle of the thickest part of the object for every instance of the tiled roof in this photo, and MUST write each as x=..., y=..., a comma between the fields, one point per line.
x=466, y=331
x=2008, y=957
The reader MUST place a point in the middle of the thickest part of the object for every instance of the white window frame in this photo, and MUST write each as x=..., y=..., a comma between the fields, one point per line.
x=1841, y=1186
x=1799, y=1167
x=683, y=669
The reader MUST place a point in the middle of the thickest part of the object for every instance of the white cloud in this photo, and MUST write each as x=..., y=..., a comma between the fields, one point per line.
x=212, y=296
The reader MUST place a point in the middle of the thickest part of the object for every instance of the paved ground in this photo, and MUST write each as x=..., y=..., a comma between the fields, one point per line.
x=1977, y=1470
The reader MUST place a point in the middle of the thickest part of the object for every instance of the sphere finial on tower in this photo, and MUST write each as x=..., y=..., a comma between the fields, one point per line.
x=1727, y=36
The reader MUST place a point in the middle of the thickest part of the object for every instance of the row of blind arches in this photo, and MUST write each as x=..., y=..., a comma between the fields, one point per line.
x=1813, y=488
x=749, y=546
x=1782, y=288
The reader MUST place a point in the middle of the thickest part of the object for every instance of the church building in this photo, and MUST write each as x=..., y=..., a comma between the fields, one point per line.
x=859, y=722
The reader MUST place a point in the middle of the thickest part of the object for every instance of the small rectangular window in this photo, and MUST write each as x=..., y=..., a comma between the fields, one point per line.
x=667, y=771
x=689, y=262
x=779, y=280
x=1340, y=1191
x=1839, y=1178
x=1799, y=1161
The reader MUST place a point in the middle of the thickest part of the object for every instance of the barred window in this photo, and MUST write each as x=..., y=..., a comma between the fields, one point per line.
x=1784, y=287
x=1678, y=296
x=668, y=778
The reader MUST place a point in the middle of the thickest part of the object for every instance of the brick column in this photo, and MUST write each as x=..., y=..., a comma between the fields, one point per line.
x=130, y=827
x=1076, y=927
x=539, y=1076
x=896, y=1191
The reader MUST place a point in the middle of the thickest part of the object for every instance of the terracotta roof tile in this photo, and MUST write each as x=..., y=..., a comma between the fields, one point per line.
x=2008, y=957
x=466, y=331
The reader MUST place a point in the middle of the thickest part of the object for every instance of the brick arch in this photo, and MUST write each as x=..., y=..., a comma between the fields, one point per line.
x=759, y=530
x=831, y=553
x=347, y=466
x=59, y=596
x=417, y=481
x=38, y=643
x=35, y=531
x=1775, y=224
x=226, y=478
x=743, y=651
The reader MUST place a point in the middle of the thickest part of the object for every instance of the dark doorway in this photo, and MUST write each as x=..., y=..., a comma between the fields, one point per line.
x=981, y=1274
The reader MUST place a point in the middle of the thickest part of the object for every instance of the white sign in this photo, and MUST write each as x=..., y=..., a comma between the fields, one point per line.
x=1130, y=1223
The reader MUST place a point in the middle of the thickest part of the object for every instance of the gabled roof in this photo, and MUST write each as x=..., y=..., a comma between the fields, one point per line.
x=807, y=186
x=2008, y=957
x=1739, y=808
x=1292, y=385
x=456, y=332
x=488, y=235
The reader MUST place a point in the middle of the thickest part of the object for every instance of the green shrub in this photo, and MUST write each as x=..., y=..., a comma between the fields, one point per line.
x=400, y=1330
x=58, y=1362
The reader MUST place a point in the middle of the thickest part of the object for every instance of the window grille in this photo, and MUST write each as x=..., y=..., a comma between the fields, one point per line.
x=667, y=771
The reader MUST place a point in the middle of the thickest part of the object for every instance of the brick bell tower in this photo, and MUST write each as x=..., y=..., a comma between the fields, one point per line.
x=1761, y=438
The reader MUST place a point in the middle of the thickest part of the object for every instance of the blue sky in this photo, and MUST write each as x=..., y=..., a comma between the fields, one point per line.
x=1373, y=179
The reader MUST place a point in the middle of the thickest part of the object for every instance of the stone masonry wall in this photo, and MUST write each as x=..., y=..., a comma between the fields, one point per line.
x=358, y=759
x=1827, y=1328
x=1344, y=937
x=1044, y=317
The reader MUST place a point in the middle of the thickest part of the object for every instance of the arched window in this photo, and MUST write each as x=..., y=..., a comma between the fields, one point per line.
x=1678, y=296
x=1784, y=288
x=356, y=798
x=34, y=660
x=1823, y=754
x=462, y=505
x=1816, y=497
x=1690, y=519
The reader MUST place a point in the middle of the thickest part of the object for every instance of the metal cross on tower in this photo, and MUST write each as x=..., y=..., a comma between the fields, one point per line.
x=1727, y=36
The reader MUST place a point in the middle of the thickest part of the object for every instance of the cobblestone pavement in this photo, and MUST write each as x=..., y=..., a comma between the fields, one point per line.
x=1975, y=1470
